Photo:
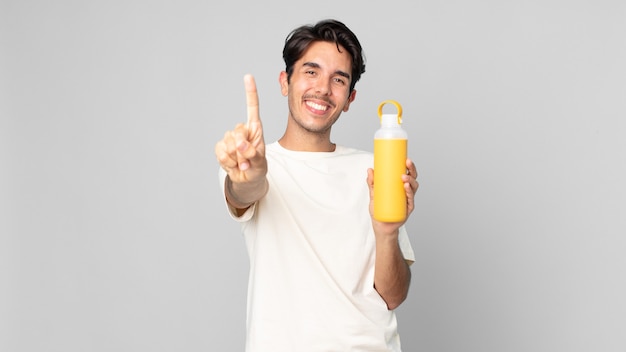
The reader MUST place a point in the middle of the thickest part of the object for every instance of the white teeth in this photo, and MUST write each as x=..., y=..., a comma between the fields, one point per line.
x=317, y=106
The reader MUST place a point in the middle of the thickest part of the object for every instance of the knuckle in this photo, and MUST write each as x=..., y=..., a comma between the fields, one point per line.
x=223, y=158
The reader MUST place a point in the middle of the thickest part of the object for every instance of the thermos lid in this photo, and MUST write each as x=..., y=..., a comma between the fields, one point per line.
x=384, y=117
x=389, y=120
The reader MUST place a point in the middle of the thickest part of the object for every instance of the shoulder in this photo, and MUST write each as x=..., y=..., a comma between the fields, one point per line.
x=354, y=154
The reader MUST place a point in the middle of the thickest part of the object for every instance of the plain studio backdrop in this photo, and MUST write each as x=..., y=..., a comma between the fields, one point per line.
x=114, y=235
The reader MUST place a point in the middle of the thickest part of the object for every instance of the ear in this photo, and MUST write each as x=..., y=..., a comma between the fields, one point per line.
x=350, y=100
x=284, y=85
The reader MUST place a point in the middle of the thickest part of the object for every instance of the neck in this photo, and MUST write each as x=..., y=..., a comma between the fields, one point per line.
x=299, y=138
x=307, y=144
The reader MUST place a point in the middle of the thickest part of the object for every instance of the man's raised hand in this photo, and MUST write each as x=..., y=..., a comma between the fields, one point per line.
x=241, y=152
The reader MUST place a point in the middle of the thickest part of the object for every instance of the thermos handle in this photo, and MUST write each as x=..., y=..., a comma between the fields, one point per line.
x=393, y=102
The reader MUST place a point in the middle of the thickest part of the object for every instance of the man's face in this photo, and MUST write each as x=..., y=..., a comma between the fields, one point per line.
x=319, y=89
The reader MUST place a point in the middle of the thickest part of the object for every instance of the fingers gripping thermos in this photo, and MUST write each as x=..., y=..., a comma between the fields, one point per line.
x=390, y=154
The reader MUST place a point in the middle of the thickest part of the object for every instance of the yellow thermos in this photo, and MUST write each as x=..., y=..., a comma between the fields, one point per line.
x=390, y=154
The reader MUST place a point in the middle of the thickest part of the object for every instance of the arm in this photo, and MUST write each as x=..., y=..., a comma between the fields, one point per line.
x=392, y=276
x=241, y=153
x=242, y=195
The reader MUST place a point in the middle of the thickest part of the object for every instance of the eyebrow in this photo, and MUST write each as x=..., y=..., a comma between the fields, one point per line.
x=316, y=65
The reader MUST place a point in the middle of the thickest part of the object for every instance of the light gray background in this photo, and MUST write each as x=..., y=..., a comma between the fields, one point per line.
x=114, y=235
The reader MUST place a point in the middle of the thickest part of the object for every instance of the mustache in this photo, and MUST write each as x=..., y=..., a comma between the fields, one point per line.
x=318, y=97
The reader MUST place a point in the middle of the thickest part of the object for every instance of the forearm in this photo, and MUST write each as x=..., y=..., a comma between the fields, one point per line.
x=243, y=194
x=392, y=275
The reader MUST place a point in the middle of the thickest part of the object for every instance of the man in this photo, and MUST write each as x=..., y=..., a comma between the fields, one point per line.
x=324, y=275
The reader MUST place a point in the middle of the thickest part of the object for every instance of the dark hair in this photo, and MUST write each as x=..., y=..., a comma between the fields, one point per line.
x=329, y=30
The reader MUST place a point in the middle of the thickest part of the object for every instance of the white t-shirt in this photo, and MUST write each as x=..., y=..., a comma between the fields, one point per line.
x=312, y=250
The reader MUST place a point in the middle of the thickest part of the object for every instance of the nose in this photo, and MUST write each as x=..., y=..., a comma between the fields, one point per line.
x=323, y=86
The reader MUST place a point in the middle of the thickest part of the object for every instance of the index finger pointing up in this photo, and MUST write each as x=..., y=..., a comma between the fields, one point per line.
x=252, y=100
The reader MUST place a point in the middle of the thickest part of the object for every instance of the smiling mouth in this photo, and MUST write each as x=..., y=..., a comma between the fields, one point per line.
x=316, y=106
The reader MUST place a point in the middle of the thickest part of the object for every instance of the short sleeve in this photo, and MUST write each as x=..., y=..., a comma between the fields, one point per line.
x=405, y=245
